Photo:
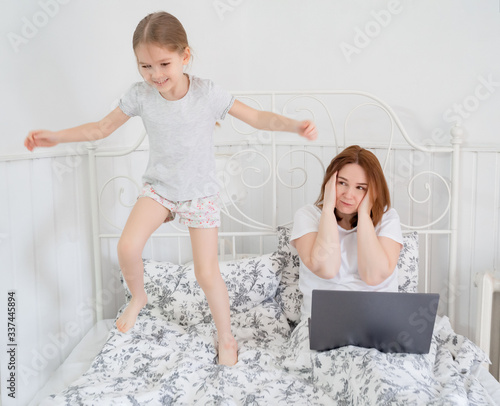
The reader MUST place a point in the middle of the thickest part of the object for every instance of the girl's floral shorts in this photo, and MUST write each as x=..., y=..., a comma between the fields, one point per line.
x=203, y=212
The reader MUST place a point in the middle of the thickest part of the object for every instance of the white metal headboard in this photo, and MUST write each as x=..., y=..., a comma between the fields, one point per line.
x=361, y=113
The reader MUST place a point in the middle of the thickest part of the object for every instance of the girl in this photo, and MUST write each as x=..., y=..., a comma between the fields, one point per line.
x=179, y=112
x=350, y=238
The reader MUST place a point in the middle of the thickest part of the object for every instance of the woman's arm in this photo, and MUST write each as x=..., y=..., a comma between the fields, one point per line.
x=86, y=132
x=320, y=252
x=265, y=120
x=377, y=256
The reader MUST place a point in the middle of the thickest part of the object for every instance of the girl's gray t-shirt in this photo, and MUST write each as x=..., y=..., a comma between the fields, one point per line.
x=181, y=153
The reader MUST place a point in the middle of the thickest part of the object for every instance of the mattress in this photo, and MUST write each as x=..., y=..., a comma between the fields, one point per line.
x=77, y=362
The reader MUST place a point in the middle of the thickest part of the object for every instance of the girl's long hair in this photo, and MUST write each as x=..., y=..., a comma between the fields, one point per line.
x=377, y=185
x=162, y=29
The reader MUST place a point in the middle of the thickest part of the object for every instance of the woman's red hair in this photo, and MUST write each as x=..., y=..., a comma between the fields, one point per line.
x=377, y=185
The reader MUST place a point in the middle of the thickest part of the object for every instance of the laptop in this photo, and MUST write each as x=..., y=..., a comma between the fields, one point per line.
x=391, y=322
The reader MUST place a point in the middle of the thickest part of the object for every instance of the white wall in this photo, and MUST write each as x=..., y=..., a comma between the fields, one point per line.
x=430, y=57
x=432, y=61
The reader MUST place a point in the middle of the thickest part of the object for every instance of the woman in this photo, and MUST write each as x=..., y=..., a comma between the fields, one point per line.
x=350, y=238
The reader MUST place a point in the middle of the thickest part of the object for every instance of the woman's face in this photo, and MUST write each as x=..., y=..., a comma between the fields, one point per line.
x=352, y=185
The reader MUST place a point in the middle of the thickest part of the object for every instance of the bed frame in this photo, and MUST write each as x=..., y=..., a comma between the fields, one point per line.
x=413, y=170
x=488, y=285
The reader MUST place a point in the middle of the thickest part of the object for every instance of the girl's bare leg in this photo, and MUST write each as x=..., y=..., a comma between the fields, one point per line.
x=206, y=268
x=146, y=216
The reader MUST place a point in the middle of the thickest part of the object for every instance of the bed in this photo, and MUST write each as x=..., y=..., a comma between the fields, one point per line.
x=169, y=356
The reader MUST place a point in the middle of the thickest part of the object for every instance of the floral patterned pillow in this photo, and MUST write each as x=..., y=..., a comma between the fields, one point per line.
x=288, y=294
x=175, y=293
x=408, y=264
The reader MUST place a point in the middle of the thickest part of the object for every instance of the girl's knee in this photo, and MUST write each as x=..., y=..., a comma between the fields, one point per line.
x=127, y=247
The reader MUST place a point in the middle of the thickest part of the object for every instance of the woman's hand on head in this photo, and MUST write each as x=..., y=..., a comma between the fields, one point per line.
x=330, y=195
x=366, y=204
x=308, y=130
x=40, y=138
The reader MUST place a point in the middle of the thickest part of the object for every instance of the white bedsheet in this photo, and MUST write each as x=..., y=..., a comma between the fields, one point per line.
x=77, y=362
x=489, y=382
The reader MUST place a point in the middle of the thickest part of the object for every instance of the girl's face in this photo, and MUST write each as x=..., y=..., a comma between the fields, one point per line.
x=352, y=186
x=163, y=69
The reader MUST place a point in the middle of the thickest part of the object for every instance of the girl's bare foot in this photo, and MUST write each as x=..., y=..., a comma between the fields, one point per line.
x=127, y=319
x=228, y=351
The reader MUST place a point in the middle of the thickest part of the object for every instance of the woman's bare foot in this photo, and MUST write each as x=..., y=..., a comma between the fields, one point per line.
x=127, y=319
x=228, y=351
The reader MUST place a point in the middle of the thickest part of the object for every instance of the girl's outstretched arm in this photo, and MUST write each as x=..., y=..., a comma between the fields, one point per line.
x=86, y=132
x=265, y=120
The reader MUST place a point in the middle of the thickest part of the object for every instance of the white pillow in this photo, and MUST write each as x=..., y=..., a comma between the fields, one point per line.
x=174, y=291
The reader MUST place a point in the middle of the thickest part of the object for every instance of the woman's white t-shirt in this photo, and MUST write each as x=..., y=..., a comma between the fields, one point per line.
x=307, y=221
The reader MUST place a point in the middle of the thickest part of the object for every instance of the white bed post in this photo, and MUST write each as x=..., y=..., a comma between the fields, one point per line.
x=487, y=285
x=456, y=140
x=273, y=167
x=94, y=207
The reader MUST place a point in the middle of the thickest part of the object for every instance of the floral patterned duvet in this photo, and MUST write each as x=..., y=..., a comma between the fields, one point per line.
x=162, y=363
x=169, y=357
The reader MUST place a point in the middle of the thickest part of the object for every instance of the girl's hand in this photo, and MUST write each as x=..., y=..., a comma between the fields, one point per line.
x=40, y=138
x=330, y=195
x=308, y=130
x=366, y=204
